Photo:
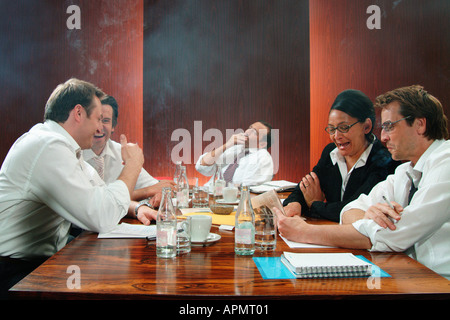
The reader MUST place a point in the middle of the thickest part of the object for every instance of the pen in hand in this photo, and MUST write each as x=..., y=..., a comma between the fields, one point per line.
x=392, y=207
x=389, y=204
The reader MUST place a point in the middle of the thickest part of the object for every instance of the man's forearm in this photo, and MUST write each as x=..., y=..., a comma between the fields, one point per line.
x=139, y=194
x=342, y=236
x=146, y=192
x=352, y=215
x=129, y=175
x=210, y=158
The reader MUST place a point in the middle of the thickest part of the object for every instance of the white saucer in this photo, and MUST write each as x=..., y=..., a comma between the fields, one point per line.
x=212, y=237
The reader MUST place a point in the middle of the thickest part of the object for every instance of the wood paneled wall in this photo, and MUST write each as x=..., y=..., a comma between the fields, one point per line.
x=38, y=52
x=226, y=64
x=412, y=47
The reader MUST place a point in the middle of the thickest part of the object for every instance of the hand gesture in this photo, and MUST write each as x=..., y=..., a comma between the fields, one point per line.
x=310, y=187
x=131, y=152
x=238, y=138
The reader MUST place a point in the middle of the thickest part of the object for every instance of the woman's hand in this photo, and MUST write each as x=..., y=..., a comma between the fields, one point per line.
x=310, y=186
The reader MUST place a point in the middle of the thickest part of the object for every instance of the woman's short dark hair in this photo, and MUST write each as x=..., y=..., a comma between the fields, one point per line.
x=357, y=105
x=67, y=95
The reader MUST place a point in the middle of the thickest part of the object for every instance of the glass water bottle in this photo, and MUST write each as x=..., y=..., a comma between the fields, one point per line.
x=177, y=172
x=244, y=237
x=166, y=227
x=219, y=182
x=183, y=189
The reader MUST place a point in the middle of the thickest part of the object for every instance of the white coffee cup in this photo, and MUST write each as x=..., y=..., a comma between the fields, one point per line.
x=230, y=194
x=200, y=227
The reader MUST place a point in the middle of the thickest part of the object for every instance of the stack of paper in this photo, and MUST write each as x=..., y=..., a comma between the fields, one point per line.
x=126, y=230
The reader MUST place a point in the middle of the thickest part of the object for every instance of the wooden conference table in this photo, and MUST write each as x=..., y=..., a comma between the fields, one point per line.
x=129, y=269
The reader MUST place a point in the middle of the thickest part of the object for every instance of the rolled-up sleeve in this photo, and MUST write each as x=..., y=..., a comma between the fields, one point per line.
x=369, y=229
x=204, y=170
x=422, y=220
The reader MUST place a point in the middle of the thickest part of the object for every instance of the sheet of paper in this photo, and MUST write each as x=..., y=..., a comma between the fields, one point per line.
x=278, y=185
x=293, y=244
x=217, y=219
x=126, y=230
x=266, y=201
x=194, y=210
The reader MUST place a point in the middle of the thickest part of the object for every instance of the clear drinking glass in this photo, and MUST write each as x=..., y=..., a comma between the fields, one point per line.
x=265, y=229
x=200, y=197
x=183, y=234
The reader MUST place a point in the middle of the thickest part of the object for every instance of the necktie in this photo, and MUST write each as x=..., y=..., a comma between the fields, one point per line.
x=100, y=166
x=412, y=189
x=229, y=173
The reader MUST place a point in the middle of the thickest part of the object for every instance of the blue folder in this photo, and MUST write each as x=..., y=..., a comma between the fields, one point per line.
x=273, y=268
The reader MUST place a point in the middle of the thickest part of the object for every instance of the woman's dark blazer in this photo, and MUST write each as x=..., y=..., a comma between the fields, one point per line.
x=378, y=166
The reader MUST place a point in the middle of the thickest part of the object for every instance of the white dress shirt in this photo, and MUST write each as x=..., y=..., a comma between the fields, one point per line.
x=113, y=166
x=255, y=168
x=423, y=231
x=45, y=186
x=336, y=157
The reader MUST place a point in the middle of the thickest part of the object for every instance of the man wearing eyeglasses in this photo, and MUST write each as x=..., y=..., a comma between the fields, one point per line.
x=415, y=217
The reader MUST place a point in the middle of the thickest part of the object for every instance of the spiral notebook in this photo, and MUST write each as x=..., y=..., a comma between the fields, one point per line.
x=325, y=265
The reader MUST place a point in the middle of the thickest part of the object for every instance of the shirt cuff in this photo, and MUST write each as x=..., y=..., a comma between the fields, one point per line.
x=121, y=194
x=204, y=170
x=368, y=228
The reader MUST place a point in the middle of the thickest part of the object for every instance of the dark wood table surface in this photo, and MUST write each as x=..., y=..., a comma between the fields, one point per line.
x=129, y=269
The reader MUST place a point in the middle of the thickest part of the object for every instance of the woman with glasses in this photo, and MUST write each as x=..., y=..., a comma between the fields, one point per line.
x=352, y=164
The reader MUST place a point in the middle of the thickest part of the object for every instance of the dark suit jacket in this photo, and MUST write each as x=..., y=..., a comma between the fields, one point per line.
x=378, y=166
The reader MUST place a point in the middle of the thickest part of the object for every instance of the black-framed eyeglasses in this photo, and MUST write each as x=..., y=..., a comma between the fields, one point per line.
x=389, y=125
x=341, y=128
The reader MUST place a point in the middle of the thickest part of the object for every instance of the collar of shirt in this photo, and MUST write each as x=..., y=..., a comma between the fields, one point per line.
x=417, y=170
x=56, y=127
x=336, y=157
x=107, y=151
